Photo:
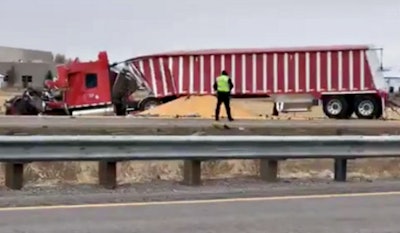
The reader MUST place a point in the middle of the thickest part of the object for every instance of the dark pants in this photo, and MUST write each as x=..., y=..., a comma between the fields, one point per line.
x=223, y=97
x=119, y=109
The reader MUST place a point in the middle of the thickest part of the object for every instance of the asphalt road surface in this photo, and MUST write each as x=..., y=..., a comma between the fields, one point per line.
x=372, y=213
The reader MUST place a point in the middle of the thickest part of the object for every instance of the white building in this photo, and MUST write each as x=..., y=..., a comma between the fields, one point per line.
x=392, y=77
x=2, y=83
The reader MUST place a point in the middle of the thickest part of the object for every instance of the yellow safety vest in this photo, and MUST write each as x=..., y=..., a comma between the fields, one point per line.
x=223, y=84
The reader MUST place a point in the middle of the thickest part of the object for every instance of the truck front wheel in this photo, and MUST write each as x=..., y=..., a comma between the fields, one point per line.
x=148, y=103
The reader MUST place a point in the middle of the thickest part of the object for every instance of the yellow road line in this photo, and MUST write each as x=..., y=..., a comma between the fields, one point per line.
x=184, y=202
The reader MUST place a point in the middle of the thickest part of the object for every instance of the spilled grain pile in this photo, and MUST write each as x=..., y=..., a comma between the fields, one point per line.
x=4, y=95
x=197, y=107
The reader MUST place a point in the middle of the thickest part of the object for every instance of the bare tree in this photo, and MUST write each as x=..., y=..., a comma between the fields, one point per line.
x=60, y=59
x=11, y=76
x=49, y=75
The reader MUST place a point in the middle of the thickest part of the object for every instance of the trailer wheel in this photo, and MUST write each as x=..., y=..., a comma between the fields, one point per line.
x=148, y=103
x=367, y=107
x=336, y=107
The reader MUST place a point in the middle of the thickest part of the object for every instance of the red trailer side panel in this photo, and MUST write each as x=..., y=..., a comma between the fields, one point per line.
x=260, y=72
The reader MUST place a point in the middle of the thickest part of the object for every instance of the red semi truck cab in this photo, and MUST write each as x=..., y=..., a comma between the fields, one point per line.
x=81, y=85
x=84, y=83
x=93, y=87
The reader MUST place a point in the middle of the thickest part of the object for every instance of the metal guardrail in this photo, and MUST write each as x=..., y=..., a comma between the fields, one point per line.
x=117, y=148
x=17, y=150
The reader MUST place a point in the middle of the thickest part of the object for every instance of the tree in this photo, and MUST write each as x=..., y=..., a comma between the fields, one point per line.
x=49, y=75
x=60, y=59
x=11, y=76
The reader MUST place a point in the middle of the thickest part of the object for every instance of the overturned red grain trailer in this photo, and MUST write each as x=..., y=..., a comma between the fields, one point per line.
x=346, y=79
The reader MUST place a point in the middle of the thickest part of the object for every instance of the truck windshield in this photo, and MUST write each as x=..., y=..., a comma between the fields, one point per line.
x=131, y=72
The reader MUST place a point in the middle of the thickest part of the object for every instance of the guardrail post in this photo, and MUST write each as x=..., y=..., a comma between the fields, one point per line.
x=14, y=175
x=340, y=169
x=108, y=174
x=269, y=170
x=192, y=172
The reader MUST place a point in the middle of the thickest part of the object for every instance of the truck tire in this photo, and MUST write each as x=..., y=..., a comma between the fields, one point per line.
x=148, y=103
x=9, y=111
x=336, y=107
x=367, y=107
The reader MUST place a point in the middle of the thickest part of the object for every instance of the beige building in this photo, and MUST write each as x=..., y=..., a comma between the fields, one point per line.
x=9, y=54
x=25, y=67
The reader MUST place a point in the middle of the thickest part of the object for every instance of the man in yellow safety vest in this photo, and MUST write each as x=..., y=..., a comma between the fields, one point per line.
x=223, y=86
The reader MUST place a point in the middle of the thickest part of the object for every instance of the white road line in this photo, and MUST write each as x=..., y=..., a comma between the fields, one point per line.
x=185, y=202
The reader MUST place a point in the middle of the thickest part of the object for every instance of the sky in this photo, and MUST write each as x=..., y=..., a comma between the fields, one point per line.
x=128, y=28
